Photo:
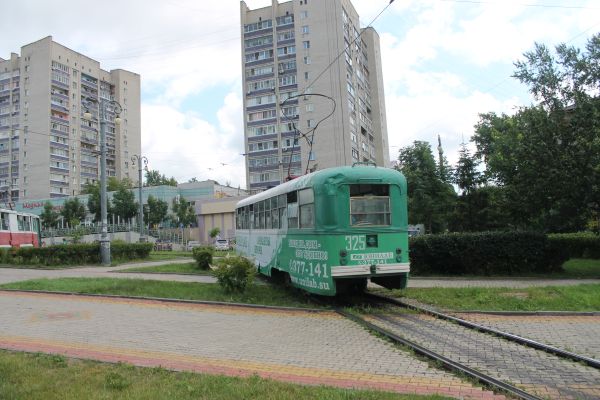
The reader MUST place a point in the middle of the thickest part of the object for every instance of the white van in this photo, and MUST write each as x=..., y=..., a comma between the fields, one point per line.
x=221, y=244
x=191, y=244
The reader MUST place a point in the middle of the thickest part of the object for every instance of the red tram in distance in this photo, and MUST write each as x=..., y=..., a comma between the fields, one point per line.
x=19, y=229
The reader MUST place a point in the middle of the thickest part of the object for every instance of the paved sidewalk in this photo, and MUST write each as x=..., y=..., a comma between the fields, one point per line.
x=299, y=346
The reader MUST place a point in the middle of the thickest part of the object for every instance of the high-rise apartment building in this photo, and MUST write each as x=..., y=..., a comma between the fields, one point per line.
x=315, y=49
x=47, y=148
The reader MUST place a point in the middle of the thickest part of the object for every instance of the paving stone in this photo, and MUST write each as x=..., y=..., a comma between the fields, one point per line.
x=297, y=346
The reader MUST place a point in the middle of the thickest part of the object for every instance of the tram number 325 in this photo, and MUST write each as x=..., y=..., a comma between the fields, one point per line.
x=355, y=242
x=303, y=267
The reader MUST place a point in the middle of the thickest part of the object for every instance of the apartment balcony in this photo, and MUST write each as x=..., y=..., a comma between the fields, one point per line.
x=58, y=107
x=260, y=32
x=264, y=152
x=260, y=107
x=262, y=138
x=262, y=122
x=60, y=84
x=259, y=77
x=264, y=185
x=253, y=63
x=88, y=84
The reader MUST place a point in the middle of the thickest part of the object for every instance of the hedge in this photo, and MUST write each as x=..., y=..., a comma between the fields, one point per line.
x=579, y=245
x=485, y=253
x=73, y=254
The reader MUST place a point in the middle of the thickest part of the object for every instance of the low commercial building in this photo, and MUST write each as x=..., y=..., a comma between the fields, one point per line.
x=216, y=213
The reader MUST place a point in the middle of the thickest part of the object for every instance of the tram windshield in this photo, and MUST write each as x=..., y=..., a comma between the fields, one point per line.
x=370, y=205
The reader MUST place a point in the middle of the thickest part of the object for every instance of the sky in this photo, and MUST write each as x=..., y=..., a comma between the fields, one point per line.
x=444, y=63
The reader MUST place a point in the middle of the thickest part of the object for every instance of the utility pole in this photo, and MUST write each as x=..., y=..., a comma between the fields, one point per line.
x=140, y=160
x=104, y=108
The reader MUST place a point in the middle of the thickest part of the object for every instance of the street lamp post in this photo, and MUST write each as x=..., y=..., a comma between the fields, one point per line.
x=105, y=107
x=140, y=160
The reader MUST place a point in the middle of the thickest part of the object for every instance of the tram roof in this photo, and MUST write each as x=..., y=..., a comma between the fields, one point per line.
x=8, y=211
x=340, y=175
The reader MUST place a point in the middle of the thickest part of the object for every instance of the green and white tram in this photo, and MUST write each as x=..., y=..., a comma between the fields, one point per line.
x=329, y=231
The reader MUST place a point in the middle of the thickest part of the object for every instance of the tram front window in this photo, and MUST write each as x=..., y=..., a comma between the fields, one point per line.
x=370, y=205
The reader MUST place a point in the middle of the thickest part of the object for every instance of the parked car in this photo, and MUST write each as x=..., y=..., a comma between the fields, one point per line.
x=191, y=244
x=163, y=245
x=222, y=244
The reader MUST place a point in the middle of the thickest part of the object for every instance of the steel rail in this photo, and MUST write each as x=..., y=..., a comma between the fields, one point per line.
x=508, y=336
x=448, y=363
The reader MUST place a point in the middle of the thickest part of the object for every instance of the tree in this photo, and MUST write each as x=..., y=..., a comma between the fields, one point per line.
x=49, y=217
x=112, y=185
x=73, y=211
x=192, y=180
x=123, y=203
x=93, y=203
x=183, y=211
x=479, y=207
x=214, y=232
x=155, y=178
x=156, y=210
x=466, y=176
x=430, y=200
x=546, y=157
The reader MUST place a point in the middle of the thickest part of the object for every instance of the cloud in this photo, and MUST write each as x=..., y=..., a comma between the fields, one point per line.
x=186, y=146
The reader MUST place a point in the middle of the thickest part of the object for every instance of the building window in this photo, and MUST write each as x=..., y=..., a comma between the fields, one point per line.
x=310, y=107
x=306, y=75
x=306, y=60
x=305, y=29
x=306, y=44
x=303, y=14
x=310, y=123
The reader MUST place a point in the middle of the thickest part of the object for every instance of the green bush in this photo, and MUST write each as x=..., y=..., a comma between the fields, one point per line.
x=485, y=253
x=73, y=254
x=578, y=245
x=234, y=274
x=130, y=251
x=203, y=256
x=6, y=256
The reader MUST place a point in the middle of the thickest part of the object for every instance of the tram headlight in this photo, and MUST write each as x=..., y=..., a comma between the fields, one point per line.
x=343, y=259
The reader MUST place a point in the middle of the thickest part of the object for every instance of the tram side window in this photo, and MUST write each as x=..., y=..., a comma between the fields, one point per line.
x=306, y=201
x=282, y=204
x=252, y=217
x=292, y=209
x=261, y=213
x=4, y=221
x=27, y=223
x=35, y=222
x=20, y=222
x=268, y=214
x=274, y=213
x=370, y=205
x=246, y=218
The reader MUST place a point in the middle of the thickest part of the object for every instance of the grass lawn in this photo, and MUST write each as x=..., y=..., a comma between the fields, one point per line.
x=549, y=298
x=268, y=294
x=54, y=377
x=38, y=266
x=582, y=268
x=168, y=255
x=186, y=268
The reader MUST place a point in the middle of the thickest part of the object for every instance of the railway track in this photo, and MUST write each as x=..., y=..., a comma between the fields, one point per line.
x=508, y=336
x=515, y=366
